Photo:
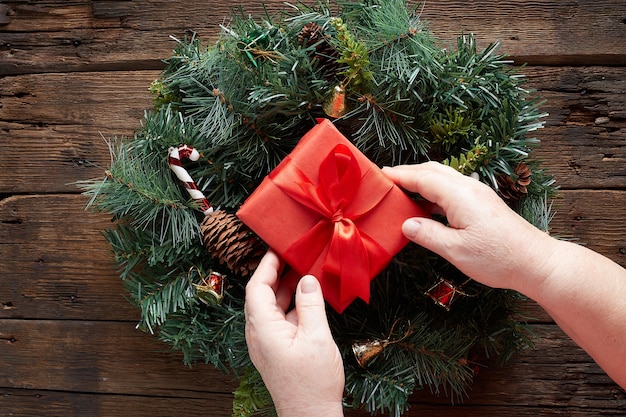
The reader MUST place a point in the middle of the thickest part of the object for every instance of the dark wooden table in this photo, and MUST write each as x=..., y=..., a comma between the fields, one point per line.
x=75, y=72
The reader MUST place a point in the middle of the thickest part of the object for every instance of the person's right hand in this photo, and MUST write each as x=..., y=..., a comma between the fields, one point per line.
x=583, y=291
x=485, y=239
x=293, y=350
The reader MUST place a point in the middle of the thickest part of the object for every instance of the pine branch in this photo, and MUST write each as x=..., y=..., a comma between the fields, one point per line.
x=467, y=163
x=140, y=190
x=252, y=397
x=212, y=334
x=354, y=54
x=157, y=304
x=381, y=393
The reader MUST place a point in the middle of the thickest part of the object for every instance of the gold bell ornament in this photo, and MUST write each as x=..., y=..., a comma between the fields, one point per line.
x=365, y=351
x=336, y=105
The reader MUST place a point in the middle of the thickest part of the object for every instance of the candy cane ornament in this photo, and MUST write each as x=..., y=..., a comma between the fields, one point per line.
x=226, y=237
x=176, y=165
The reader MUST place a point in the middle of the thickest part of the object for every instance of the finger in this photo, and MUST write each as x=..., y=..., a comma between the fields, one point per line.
x=260, y=290
x=432, y=235
x=311, y=310
x=433, y=181
x=287, y=288
x=268, y=270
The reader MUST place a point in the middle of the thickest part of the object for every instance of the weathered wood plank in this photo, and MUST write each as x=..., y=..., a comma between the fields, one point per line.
x=51, y=158
x=99, y=357
x=55, y=262
x=56, y=280
x=566, y=377
x=105, y=35
x=51, y=132
x=54, y=127
x=584, y=142
x=82, y=99
x=114, y=358
x=540, y=32
x=62, y=36
x=35, y=403
x=596, y=219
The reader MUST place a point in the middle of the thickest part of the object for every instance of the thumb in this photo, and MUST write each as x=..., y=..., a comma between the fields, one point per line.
x=310, y=307
x=431, y=234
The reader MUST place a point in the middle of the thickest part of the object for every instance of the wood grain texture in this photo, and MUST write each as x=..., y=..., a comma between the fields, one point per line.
x=105, y=35
x=30, y=403
x=74, y=74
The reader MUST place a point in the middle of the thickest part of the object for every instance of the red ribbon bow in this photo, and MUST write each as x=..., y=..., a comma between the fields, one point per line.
x=341, y=195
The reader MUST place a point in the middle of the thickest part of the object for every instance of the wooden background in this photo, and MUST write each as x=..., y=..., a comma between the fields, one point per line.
x=73, y=72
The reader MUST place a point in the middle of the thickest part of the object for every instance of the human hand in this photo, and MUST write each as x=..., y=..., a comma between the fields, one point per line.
x=294, y=351
x=485, y=239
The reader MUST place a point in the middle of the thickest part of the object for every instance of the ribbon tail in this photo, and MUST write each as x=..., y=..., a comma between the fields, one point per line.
x=348, y=263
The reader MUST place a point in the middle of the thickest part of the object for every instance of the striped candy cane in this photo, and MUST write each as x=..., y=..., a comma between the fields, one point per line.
x=242, y=250
x=176, y=165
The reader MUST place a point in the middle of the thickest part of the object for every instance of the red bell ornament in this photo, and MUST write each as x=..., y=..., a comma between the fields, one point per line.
x=446, y=292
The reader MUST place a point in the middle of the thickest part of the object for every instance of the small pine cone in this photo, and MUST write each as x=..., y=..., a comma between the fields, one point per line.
x=513, y=190
x=523, y=175
x=310, y=33
x=232, y=243
x=325, y=54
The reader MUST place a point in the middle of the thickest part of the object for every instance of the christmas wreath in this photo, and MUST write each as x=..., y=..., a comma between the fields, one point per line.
x=227, y=114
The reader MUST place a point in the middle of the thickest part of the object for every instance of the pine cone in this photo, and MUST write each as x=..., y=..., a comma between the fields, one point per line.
x=512, y=190
x=310, y=33
x=325, y=54
x=232, y=243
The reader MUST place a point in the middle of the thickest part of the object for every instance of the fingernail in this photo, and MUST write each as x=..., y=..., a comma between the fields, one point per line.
x=410, y=228
x=308, y=284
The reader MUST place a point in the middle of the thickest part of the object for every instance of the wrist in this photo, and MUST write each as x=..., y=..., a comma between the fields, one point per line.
x=316, y=409
x=544, y=256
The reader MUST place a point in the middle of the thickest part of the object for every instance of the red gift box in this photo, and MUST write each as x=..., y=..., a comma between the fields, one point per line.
x=330, y=212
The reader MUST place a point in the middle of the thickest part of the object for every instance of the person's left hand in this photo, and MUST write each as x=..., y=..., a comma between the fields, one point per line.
x=294, y=351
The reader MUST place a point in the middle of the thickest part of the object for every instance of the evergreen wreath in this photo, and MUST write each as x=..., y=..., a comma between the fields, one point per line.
x=373, y=67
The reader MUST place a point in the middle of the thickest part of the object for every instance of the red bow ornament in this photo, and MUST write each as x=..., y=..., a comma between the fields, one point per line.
x=330, y=212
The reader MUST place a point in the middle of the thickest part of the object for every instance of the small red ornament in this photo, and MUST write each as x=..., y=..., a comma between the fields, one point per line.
x=445, y=292
x=211, y=288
